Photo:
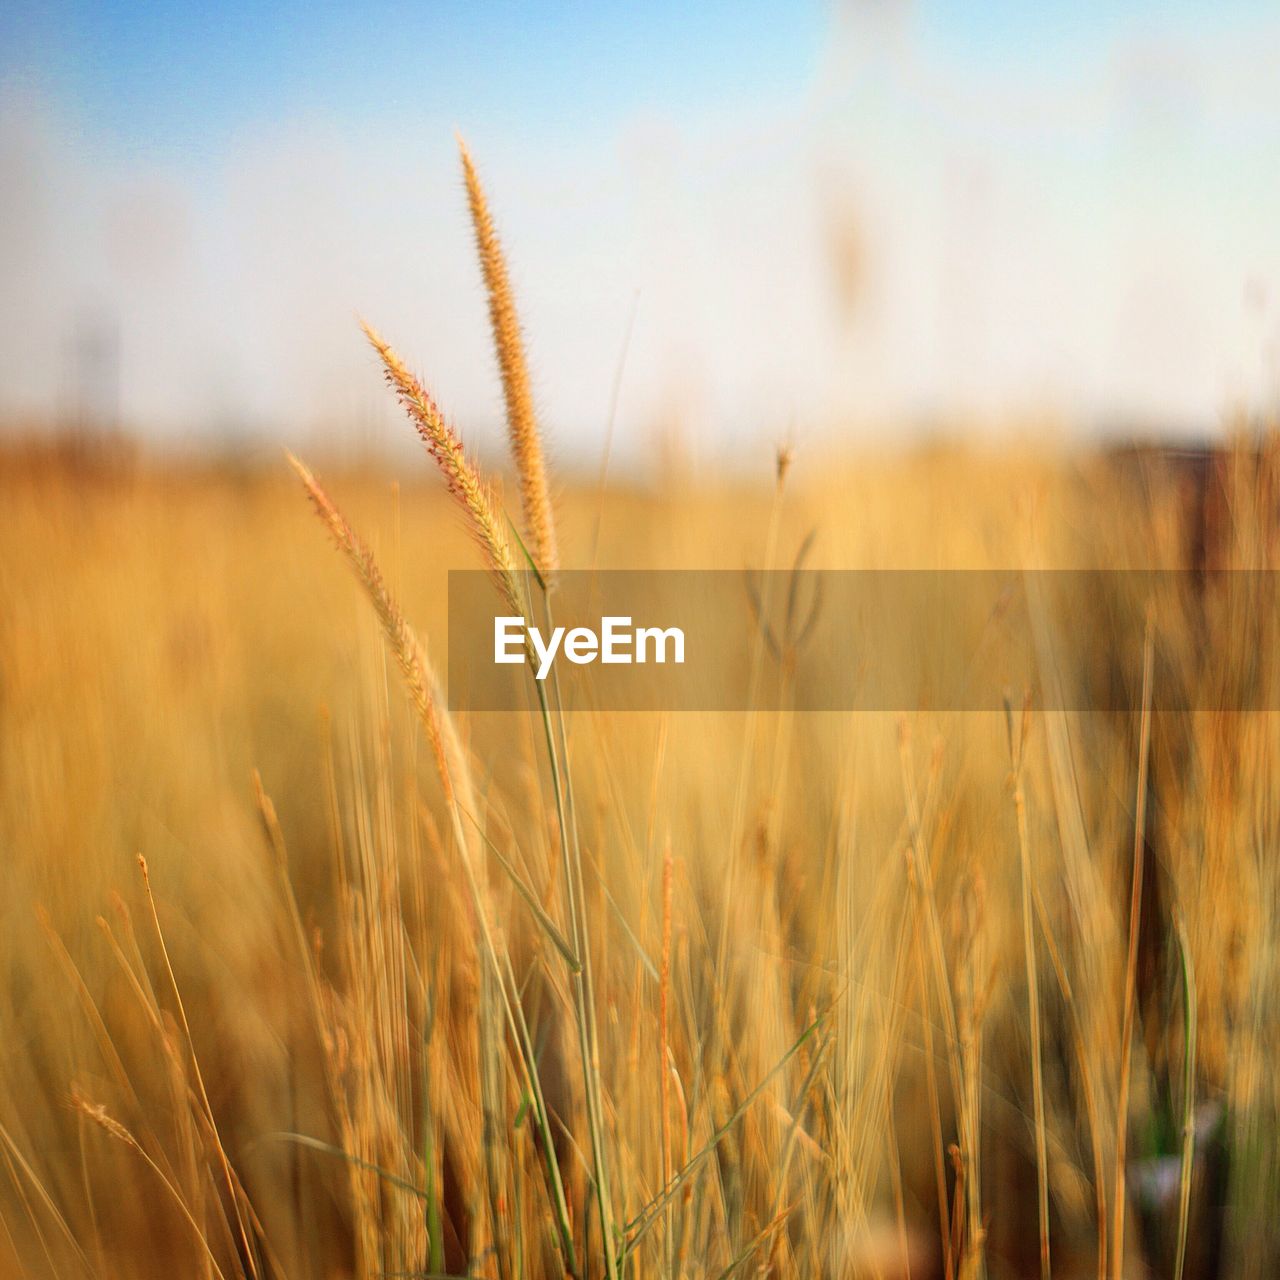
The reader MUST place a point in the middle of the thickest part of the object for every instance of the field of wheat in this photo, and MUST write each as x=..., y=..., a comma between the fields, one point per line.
x=305, y=976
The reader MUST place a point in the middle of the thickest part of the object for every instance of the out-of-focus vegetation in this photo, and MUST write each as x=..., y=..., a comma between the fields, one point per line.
x=859, y=981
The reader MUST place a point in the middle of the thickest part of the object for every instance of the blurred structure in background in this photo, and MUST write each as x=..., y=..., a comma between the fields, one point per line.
x=93, y=359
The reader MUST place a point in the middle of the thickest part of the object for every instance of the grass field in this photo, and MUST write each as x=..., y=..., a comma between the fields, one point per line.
x=746, y=878
x=303, y=977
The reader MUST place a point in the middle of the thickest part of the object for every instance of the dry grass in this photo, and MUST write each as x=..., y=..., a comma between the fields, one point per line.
x=508, y=342
x=647, y=995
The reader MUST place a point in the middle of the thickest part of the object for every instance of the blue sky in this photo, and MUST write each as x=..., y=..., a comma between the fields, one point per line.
x=834, y=216
x=189, y=76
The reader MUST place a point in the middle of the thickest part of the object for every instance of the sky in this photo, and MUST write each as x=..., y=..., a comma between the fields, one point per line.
x=749, y=220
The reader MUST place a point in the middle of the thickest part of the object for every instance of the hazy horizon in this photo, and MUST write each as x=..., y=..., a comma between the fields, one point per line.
x=809, y=219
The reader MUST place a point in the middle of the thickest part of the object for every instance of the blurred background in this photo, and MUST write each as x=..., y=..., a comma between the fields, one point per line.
x=872, y=220
x=952, y=258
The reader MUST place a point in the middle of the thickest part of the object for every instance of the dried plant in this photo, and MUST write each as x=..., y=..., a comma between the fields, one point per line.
x=522, y=422
x=405, y=646
x=474, y=495
x=623, y=996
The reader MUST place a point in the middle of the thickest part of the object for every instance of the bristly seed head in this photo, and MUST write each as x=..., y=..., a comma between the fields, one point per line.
x=463, y=480
x=522, y=422
x=403, y=642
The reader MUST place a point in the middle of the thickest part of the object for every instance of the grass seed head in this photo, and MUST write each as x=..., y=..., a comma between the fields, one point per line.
x=464, y=481
x=522, y=421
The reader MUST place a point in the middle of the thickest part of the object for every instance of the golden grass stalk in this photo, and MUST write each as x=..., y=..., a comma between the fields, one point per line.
x=522, y=421
x=1188, y=1092
x=1131, y=961
x=1033, y=1019
x=664, y=1040
x=97, y=1113
x=14, y=1163
x=235, y=1192
x=464, y=481
x=424, y=693
x=402, y=640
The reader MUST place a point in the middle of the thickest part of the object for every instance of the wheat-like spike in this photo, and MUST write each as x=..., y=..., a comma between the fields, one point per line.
x=98, y=1114
x=460, y=474
x=522, y=421
x=408, y=650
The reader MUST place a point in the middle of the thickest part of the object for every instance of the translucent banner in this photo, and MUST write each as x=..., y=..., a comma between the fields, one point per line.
x=864, y=640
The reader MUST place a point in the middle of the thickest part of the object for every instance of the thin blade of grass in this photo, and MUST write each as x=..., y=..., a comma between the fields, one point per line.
x=644, y=1220
x=328, y=1148
x=548, y=925
x=1188, y=1091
